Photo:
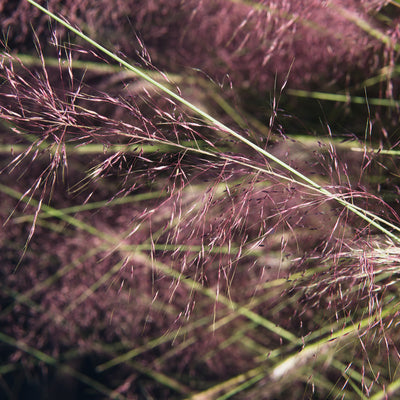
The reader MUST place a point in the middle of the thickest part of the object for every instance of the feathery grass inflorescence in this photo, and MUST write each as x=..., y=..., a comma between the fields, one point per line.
x=159, y=242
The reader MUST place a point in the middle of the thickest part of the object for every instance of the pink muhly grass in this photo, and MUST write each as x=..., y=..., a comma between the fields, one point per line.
x=192, y=267
x=253, y=42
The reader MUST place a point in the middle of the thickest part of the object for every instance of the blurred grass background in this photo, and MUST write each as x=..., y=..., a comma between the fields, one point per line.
x=147, y=254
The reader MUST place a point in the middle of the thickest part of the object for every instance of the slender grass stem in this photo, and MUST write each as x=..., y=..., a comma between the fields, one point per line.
x=343, y=98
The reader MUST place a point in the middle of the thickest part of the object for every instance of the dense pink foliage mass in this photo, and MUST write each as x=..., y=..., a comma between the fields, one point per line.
x=252, y=42
x=133, y=227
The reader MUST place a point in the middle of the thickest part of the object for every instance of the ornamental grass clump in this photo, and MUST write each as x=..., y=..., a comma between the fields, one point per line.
x=161, y=239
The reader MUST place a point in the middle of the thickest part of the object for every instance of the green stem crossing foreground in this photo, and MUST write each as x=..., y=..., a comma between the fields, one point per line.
x=368, y=217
